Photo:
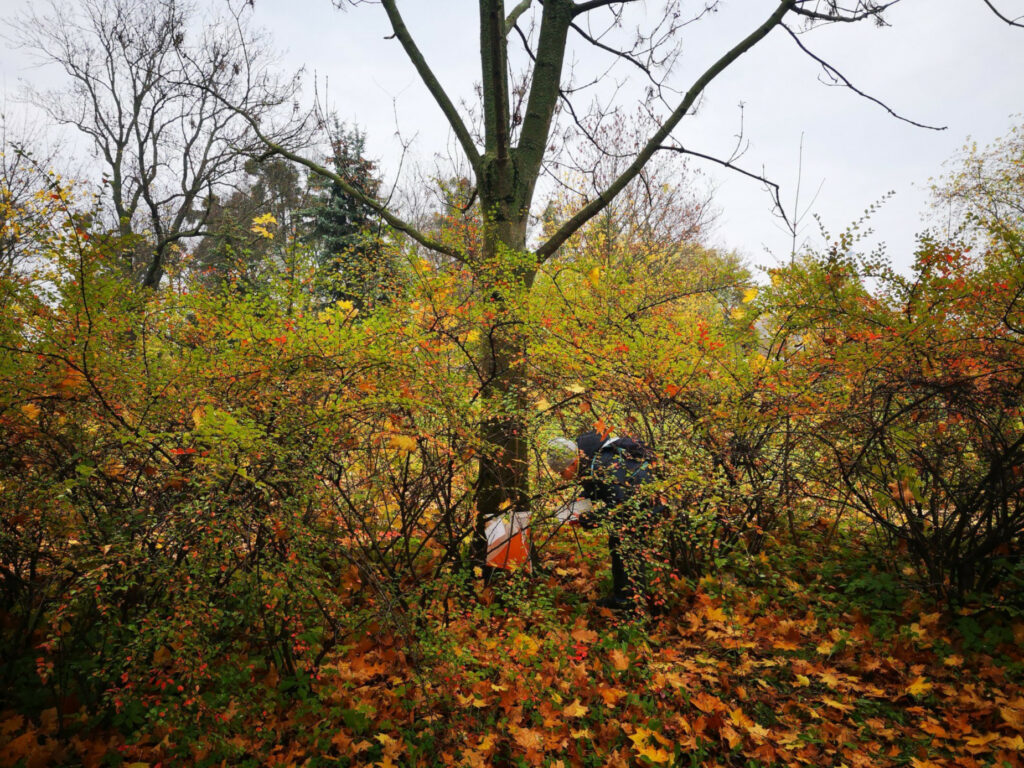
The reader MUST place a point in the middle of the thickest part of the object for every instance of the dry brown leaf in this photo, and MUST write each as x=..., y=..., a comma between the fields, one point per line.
x=585, y=635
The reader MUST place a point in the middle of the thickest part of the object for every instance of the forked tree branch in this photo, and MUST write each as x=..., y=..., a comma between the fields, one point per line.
x=773, y=187
x=609, y=49
x=1012, y=22
x=433, y=85
x=656, y=141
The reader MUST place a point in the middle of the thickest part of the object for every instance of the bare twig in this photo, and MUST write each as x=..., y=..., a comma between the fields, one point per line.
x=838, y=77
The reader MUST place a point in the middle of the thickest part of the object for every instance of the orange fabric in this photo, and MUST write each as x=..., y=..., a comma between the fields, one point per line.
x=510, y=552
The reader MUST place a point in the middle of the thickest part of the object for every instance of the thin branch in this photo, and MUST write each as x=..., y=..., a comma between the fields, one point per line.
x=615, y=52
x=1012, y=22
x=836, y=75
x=655, y=142
x=352, y=191
x=772, y=186
x=869, y=10
x=432, y=83
x=595, y=4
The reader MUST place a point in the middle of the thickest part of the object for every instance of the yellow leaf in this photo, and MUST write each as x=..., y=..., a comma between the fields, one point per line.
x=654, y=754
x=837, y=705
x=472, y=337
x=594, y=276
x=30, y=411
x=640, y=738
x=758, y=732
x=1014, y=717
x=953, y=661
x=829, y=679
x=919, y=687
x=715, y=614
x=825, y=648
x=749, y=295
x=1015, y=743
x=582, y=733
x=403, y=443
x=543, y=404
x=982, y=741
x=576, y=389
x=526, y=644
x=576, y=709
x=739, y=717
x=803, y=680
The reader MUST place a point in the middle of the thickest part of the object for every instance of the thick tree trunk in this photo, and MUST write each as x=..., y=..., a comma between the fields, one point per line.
x=503, y=480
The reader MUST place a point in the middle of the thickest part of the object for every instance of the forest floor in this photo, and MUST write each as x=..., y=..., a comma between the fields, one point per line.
x=807, y=656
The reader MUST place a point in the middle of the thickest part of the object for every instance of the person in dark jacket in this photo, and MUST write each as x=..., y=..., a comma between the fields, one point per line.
x=611, y=470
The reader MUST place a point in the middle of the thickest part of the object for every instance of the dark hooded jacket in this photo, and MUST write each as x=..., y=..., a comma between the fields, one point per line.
x=611, y=471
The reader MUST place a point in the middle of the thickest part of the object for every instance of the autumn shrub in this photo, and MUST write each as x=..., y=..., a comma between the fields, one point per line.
x=207, y=488
x=917, y=381
x=672, y=357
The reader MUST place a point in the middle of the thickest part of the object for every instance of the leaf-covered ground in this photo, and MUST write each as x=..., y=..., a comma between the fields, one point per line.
x=807, y=658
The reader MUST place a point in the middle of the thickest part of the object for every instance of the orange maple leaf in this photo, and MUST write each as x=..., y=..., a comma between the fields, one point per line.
x=919, y=687
x=619, y=660
x=576, y=709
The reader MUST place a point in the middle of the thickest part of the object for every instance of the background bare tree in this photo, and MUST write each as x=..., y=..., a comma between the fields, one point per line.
x=140, y=74
x=26, y=157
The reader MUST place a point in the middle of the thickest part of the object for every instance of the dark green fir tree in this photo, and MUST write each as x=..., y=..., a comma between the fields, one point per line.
x=356, y=260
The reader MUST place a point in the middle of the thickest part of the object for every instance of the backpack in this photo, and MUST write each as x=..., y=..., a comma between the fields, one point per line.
x=617, y=468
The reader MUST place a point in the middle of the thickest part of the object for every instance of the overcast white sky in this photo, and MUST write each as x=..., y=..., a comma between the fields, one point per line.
x=943, y=62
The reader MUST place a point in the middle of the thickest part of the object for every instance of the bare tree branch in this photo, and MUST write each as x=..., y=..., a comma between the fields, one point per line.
x=595, y=4
x=544, y=94
x=836, y=76
x=1012, y=22
x=435, y=87
x=838, y=13
x=352, y=191
x=653, y=144
x=614, y=51
x=772, y=186
x=167, y=147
